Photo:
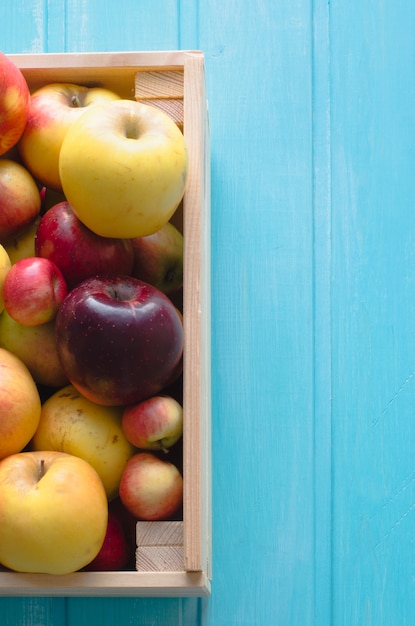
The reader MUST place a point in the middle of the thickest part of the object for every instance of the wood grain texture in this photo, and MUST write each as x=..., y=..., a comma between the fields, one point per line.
x=313, y=255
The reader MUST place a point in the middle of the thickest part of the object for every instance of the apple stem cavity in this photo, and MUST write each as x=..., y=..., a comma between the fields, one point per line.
x=41, y=469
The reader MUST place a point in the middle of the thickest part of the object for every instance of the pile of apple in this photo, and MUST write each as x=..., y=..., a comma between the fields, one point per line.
x=91, y=330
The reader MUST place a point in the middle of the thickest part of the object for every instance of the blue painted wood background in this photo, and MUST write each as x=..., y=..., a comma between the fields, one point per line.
x=312, y=112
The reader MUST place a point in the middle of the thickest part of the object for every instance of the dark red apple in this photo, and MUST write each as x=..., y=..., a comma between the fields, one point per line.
x=77, y=251
x=115, y=552
x=119, y=339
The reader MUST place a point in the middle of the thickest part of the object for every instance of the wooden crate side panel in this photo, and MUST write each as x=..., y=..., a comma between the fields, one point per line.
x=196, y=310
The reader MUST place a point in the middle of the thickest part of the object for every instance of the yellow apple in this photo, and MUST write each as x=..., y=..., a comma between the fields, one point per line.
x=36, y=347
x=53, y=109
x=71, y=423
x=5, y=265
x=23, y=246
x=123, y=168
x=20, y=404
x=53, y=512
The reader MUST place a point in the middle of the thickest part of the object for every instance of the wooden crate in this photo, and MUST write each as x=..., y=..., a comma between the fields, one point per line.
x=173, y=558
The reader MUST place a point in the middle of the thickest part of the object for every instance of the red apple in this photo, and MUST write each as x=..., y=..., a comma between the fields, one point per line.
x=19, y=199
x=119, y=339
x=78, y=252
x=33, y=291
x=53, y=109
x=14, y=103
x=151, y=488
x=115, y=552
x=153, y=424
x=158, y=258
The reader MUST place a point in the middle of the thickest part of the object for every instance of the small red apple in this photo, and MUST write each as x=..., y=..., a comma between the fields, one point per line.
x=14, y=103
x=151, y=488
x=153, y=424
x=33, y=291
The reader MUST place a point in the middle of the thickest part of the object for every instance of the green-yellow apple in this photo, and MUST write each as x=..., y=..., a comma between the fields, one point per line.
x=19, y=199
x=158, y=258
x=5, y=265
x=36, y=347
x=123, y=168
x=53, y=109
x=71, y=423
x=53, y=512
x=151, y=488
x=14, y=103
x=23, y=245
x=153, y=424
x=20, y=405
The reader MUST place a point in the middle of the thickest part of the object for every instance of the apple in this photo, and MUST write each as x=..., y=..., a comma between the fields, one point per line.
x=116, y=550
x=151, y=488
x=53, y=512
x=20, y=405
x=123, y=168
x=5, y=265
x=53, y=109
x=119, y=339
x=71, y=423
x=14, y=103
x=23, y=245
x=33, y=291
x=76, y=250
x=153, y=424
x=158, y=258
x=19, y=199
x=36, y=347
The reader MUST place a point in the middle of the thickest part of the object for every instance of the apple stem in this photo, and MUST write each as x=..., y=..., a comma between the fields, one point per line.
x=41, y=468
x=75, y=101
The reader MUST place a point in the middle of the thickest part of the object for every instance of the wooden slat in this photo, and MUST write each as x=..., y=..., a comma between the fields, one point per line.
x=196, y=314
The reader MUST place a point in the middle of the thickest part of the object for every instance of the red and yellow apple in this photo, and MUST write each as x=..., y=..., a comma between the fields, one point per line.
x=53, y=512
x=73, y=424
x=123, y=168
x=158, y=259
x=153, y=424
x=19, y=199
x=20, y=405
x=53, y=109
x=33, y=291
x=14, y=103
x=78, y=252
x=151, y=488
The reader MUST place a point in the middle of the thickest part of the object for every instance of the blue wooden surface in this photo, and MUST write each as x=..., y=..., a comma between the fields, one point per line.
x=312, y=109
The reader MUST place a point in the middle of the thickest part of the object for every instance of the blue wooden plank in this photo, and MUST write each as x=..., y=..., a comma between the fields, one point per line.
x=260, y=89
x=373, y=227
